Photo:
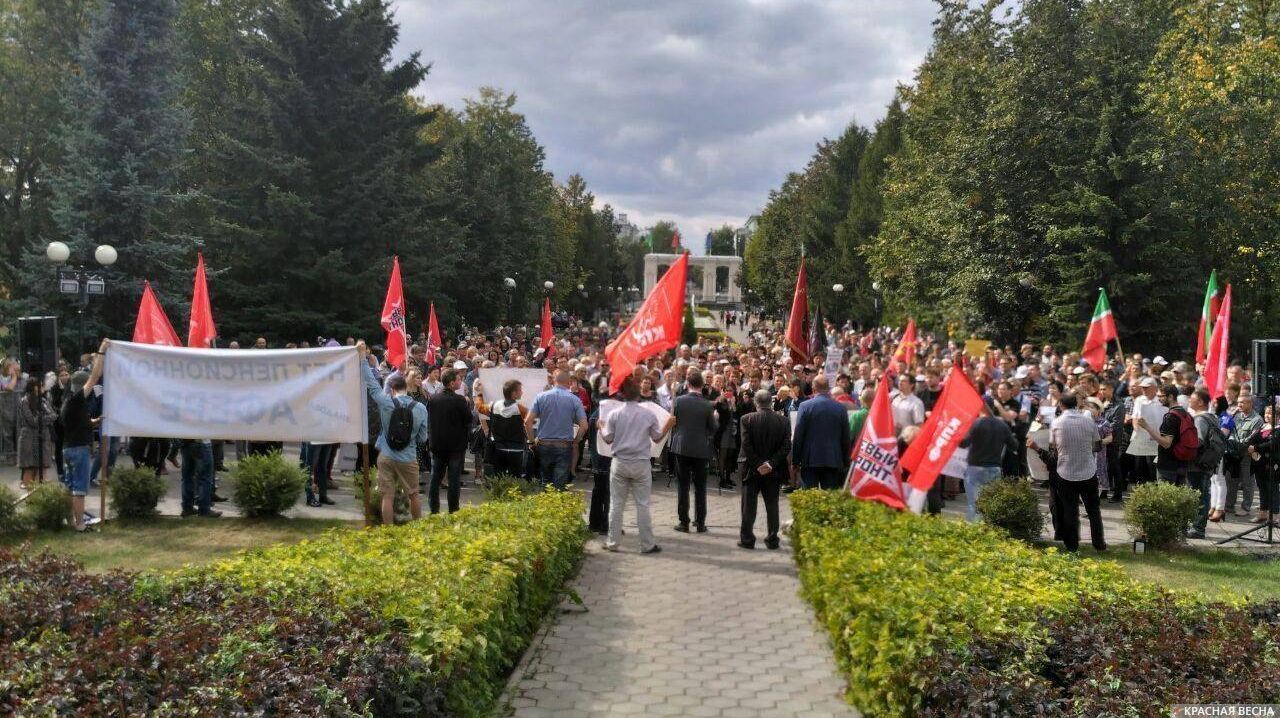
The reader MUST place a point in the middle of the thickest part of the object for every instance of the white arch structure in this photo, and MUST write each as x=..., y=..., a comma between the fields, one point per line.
x=708, y=293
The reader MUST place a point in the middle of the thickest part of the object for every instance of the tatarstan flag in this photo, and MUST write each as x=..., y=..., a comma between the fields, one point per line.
x=1102, y=329
x=1212, y=302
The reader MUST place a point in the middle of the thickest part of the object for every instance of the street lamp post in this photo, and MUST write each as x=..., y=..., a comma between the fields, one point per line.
x=509, y=285
x=80, y=280
x=838, y=289
x=875, y=297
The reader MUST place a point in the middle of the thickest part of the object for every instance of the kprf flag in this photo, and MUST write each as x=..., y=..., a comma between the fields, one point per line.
x=957, y=408
x=393, y=318
x=548, y=336
x=875, y=475
x=200, y=328
x=152, y=326
x=905, y=354
x=1215, y=364
x=1102, y=329
x=798, y=322
x=655, y=328
x=434, y=340
x=1212, y=304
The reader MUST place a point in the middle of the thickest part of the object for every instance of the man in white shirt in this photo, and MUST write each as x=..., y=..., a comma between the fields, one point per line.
x=1141, y=446
x=629, y=431
x=906, y=407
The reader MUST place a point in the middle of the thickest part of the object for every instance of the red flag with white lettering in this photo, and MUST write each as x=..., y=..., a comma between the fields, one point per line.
x=200, y=328
x=153, y=325
x=957, y=408
x=434, y=342
x=655, y=328
x=874, y=475
x=393, y=318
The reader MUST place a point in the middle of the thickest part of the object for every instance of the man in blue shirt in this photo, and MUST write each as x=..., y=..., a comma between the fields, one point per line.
x=559, y=413
x=395, y=466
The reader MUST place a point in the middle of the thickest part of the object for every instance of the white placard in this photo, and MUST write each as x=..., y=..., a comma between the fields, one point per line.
x=533, y=382
x=257, y=395
x=956, y=465
x=831, y=367
x=608, y=406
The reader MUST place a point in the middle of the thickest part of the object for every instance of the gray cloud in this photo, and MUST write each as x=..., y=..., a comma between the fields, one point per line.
x=691, y=110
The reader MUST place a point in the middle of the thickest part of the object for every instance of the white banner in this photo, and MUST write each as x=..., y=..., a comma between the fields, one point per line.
x=608, y=406
x=258, y=395
x=831, y=367
x=533, y=381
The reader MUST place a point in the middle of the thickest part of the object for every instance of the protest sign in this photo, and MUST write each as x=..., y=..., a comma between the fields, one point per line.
x=608, y=406
x=262, y=395
x=533, y=381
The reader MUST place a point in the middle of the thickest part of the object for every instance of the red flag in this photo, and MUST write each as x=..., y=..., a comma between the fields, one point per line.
x=548, y=338
x=1102, y=329
x=798, y=322
x=905, y=354
x=655, y=328
x=393, y=318
x=200, y=330
x=153, y=325
x=874, y=475
x=957, y=408
x=1212, y=305
x=1215, y=369
x=434, y=342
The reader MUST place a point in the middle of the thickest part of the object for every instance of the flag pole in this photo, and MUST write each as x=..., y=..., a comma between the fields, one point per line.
x=104, y=443
x=364, y=462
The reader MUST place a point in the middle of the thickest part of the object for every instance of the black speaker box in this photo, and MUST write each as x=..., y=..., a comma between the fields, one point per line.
x=38, y=345
x=1266, y=368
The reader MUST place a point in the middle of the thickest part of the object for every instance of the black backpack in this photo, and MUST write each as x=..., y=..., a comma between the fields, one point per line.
x=1212, y=448
x=400, y=426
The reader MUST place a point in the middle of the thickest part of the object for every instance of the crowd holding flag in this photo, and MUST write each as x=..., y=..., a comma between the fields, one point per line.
x=1215, y=363
x=798, y=321
x=152, y=325
x=393, y=318
x=655, y=328
x=200, y=328
x=874, y=474
x=1208, y=311
x=1102, y=329
x=434, y=340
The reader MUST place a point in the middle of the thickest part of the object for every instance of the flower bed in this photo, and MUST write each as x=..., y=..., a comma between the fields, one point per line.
x=928, y=616
x=422, y=619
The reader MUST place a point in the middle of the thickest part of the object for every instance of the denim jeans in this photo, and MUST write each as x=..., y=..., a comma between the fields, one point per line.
x=1199, y=481
x=553, y=461
x=77, y=476
x=197, y=476
x=975, y=477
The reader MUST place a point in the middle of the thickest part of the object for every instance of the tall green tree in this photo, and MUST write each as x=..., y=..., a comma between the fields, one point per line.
x=724, y=241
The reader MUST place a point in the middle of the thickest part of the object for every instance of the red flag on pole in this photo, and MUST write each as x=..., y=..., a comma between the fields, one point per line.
x=957, y=408
x=1102, y=329
x=655, y=328
x=905, y=354
x=798, y=322
x=393, y=318
x=200, y=329
x=153, y=325
x=1215, y=369
x=874, y=475
x=1212, y=305
x=548, y=337
x=434, y=342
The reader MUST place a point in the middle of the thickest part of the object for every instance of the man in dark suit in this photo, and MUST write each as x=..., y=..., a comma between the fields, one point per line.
x=766, y=442
x=822, y=442
x=691, y=446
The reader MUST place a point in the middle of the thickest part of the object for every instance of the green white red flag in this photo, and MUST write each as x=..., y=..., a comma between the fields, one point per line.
x=1102, y=329
x=1215, y=363
x=1212, y=303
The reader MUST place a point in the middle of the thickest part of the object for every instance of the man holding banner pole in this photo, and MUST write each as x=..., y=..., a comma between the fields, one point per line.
x=77, y=431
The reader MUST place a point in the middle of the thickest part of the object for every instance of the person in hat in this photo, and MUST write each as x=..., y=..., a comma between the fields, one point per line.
x=1142, y=447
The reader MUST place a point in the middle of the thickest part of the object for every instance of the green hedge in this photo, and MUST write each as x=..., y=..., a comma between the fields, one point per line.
x=469, y=589
x=892, y=588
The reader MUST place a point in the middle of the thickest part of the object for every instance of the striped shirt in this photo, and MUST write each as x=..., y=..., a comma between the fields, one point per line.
x=1075, y=435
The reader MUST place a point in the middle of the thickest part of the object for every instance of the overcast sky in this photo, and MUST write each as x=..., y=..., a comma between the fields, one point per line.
x=689, y=110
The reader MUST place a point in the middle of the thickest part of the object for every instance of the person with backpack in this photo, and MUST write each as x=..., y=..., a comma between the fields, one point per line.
x=404, y=426
x=1177, y=443
x=1213, y=444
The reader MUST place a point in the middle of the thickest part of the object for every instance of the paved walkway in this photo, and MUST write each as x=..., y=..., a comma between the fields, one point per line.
x=703, y=628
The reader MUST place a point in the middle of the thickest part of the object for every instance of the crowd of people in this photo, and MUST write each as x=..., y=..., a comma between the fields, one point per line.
x=757, y=415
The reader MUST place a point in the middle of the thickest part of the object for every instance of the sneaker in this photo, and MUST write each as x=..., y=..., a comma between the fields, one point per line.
x=90, y=519
x=313, y=503
x=653, y=549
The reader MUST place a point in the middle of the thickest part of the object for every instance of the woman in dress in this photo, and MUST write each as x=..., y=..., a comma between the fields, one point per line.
x=35, y=434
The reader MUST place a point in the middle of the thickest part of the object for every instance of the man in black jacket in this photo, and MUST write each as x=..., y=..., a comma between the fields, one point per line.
x=448, y=428
x=691, y=446
x=766, y=444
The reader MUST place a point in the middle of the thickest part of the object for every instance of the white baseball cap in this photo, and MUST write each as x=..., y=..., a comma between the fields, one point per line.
x=459, y=365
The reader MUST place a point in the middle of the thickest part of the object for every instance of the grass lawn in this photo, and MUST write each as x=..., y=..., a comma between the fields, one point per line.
x=168, y=543
x=1214, y=573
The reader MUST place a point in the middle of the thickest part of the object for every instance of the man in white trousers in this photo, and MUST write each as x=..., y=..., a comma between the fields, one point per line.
x=630, y=430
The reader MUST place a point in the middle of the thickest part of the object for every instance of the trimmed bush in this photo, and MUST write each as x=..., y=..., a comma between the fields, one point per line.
x=891, y=588
x=10, y=520
x=1161, y=512
x=267, y=485
x=47, y=507
x=135, y=492
x=468, y=589
x=1011, y=504
x=505, y=487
